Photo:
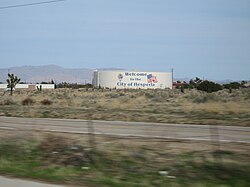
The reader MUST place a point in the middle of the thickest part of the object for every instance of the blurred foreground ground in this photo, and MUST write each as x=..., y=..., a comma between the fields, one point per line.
x=87, y=160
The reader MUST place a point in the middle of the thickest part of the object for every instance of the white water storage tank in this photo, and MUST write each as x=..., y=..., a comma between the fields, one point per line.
x=133, y=79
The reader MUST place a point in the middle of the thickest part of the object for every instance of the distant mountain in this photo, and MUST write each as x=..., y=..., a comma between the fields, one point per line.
x=225, y=81
x=111, y=69
x=37, y=74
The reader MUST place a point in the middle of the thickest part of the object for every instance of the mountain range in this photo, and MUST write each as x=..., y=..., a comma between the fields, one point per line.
x=37, y=74
x=46, y=73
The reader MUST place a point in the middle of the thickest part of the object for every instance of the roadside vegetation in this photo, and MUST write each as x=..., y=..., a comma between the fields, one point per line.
x=69, y=159
x=223, y=107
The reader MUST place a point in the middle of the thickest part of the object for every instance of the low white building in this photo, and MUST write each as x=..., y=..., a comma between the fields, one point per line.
x=133, y=79
x=30, y=86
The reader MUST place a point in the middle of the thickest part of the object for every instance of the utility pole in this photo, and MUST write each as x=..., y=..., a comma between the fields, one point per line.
x=172, y=71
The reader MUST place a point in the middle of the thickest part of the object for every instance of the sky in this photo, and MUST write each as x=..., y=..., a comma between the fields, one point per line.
x=209, y=38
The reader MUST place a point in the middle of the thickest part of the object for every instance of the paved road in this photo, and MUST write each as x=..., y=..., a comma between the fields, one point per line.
x=7, y=182
x=131, y=129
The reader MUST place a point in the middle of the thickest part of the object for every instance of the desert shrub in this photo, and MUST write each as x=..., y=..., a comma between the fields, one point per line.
x=209, y=86
x=159, y=95
x=73, y=85
x=134, y=96
x=114, y=95
x=149, y=95
x=204, y=98
x=201, y=97
x=121, y=94
x=7, y=102
x=28, y=101
x=247, y=96
x=125, y=99
x=232, y=85
x=46, y=102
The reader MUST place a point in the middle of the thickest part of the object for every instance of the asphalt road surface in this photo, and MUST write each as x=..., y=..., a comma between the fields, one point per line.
x=130, y=129
x=7, y=182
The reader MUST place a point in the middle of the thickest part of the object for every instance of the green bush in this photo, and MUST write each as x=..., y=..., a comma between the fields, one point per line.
x=232, y=85
x=209, y=86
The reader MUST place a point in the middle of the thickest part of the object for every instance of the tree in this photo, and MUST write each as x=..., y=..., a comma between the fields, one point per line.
x=195, y=83
x=12, y=82
x=209, y=86
x=243, y=84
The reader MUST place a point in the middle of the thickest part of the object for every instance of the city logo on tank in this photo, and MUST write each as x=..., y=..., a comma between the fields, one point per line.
x=120, y=76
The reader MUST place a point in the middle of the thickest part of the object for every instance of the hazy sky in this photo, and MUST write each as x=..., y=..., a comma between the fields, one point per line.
x=205, y=38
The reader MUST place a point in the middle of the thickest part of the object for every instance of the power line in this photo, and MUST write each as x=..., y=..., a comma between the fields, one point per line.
x=30, y=4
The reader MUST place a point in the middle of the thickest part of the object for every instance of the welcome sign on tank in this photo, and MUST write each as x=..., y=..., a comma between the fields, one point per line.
x=133, y=79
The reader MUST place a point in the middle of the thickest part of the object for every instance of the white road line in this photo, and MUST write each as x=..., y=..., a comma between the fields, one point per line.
x=7, y=128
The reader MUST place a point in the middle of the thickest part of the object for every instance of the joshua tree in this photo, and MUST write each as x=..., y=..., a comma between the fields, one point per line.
x=195, y=83
x=12, y=82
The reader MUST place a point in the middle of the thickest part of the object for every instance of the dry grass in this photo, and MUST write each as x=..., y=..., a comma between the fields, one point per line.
x=168, y=106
